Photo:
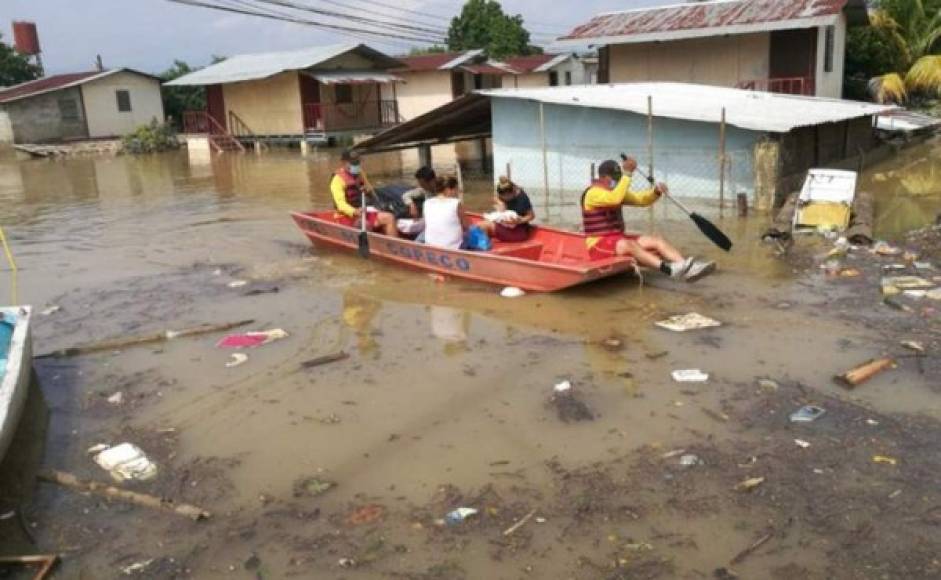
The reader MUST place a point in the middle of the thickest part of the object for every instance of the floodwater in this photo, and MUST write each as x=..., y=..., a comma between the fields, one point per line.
x=446, y=385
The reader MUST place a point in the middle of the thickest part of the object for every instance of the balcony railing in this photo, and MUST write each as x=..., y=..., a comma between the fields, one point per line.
x=785, y=85
x=374, y=114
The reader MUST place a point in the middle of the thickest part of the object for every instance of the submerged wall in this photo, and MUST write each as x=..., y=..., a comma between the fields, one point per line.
x=48, y=117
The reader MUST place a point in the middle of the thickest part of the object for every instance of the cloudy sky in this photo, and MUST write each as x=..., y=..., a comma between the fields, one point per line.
x=150, y=34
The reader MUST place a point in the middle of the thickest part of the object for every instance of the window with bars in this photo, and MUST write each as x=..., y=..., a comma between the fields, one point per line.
x=124, y=100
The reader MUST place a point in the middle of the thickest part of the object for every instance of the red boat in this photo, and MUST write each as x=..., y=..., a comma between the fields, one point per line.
x=550, y=260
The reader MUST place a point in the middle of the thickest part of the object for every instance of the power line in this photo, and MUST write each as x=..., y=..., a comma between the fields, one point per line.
x=356, y=32
x=352, y=17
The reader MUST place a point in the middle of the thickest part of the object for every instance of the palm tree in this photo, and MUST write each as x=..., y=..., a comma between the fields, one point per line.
x=913, y=28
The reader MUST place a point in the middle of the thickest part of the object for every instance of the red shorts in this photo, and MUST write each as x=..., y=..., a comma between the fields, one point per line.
x=606, y=247
x=372, y=219
x=518, y=234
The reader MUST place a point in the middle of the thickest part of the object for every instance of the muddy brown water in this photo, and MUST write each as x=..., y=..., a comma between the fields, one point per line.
x=447, y=387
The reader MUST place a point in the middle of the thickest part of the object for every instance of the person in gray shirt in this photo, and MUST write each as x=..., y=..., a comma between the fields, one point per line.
x=415, y=198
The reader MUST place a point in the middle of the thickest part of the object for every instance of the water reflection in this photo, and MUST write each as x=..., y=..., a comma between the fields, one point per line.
x=359, y=315
x=907, y=189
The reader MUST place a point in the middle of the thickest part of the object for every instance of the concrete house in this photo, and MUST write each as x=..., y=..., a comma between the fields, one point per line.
x=312, y=94
x=549, y=138
x=432, y=80
x=88, y=105
x=782, y=46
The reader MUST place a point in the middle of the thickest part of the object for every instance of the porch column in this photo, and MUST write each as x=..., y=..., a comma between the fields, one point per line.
x=424, y=155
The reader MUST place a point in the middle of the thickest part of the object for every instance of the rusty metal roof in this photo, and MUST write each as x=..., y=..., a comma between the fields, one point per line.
x=715, y=18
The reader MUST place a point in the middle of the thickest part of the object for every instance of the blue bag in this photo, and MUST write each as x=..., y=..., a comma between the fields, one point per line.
x=477, y=240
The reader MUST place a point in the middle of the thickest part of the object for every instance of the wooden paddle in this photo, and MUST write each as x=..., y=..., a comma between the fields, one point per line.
x=709, y=229
x=363, y=236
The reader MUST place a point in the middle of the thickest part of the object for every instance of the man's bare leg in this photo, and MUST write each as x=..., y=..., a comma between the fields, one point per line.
x=387, y=222
x=660, y=247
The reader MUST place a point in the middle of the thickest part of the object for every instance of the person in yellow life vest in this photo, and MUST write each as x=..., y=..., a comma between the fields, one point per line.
x=347, y=187
x=603, y=220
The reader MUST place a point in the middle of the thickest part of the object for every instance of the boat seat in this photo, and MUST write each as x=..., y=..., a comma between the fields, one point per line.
x=525, y=250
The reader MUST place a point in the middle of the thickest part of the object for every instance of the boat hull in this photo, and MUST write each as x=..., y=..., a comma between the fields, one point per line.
x=14, y=384
x=551, y=260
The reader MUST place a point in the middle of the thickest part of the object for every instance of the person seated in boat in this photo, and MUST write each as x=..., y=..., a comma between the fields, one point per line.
x=348, y=186
x=445, y=220
x=603, y=220
x=415, y=198
x=515, y=227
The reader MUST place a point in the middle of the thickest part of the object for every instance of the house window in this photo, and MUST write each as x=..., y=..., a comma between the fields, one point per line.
x=553, y=79
x=124, y=100
x=68, y=110
x=568, y=78
x=829, y=46
x=344, y=94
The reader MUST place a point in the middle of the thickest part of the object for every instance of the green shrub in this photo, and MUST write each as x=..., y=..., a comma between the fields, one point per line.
x=151, y=138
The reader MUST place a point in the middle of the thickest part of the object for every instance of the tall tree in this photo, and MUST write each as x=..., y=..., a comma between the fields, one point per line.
x=14, y=67
x=483, y=24
x=176, y=100
x=911, y=31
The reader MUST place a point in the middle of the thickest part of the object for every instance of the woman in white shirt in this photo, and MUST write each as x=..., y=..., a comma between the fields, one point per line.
x=445, y=221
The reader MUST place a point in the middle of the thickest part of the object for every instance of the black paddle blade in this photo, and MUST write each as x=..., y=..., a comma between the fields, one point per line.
x=364, y=245
x=712, y=232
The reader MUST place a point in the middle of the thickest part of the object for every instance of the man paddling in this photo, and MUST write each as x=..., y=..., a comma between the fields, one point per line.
x=603, y=220
x=348, y=186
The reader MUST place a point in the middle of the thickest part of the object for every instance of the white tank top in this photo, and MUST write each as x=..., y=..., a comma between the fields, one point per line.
x=442, y=224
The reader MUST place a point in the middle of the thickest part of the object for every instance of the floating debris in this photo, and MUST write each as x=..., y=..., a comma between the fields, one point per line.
x=690, y=376
x=882, y=459
x=686, y=322
x=563, y=387
x=126, y=461
x=237, y=358
x=913, y=345
x=885, y=249
x=312, y=487
x=863, y=373
x=801, y=443
x=459, y=515
x=512, y=292
x=237, y=284
x=366, y=515
x=51, y=310
x=807, y=414
x=251, y=339
x=750, y=484
x=691, y=460
x=137, y=567
x=117, y=398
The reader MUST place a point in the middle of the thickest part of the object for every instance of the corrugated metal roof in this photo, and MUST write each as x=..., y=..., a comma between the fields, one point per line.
x=751, y=110
x=354, y=77
x=535, y=63
x=719, y=17
x=248, y=67
x=57, y=83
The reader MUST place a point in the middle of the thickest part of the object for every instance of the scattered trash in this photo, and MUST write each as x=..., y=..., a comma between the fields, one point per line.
x=522, y=522
x=260, y=291
x=690, y=376
x=567, y=404
x=885, y=460
x=885, y=249
x=807, y=414
x=117, y=398
x=97, y=448
x=366, y=515
x=312, y=487
x=768, y=384
x=137, y=567
x=913, y=345
x=142, y=499
x=237, y=359
x=927, y=266
x=720, y=417
x=326, y=359
x=613, y=344
x=459, y=515
x=346, y=563
x=237, y=284
x=801, y=443
x=674, y=453
x=657, y=355
x=686, y=322
x=691, y=460
x=895, y=494
x=541, y=520
x=740, y=557
x=919, y=294
x=872, y=422
x=251, y=339
x=750, y=484
x=850, y=273
x=51, y=310
x=892, y=285
x=933, y=294
x=512, y=292
x=861, y=374
x=126, y=461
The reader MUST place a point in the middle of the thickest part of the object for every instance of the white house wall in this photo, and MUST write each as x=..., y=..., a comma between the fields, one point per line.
x=686, y=152
x=101, y=104
x=421, y=92
x=720, y=61
x=830, y=84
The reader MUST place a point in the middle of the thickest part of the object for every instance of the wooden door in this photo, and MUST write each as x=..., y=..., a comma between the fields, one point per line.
x=215, y=107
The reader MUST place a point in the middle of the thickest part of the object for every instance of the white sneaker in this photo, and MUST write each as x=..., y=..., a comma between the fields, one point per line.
x=699, y=270
x=677, y=269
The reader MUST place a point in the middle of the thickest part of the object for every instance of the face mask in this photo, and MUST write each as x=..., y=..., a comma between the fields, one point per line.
x=355, y=169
